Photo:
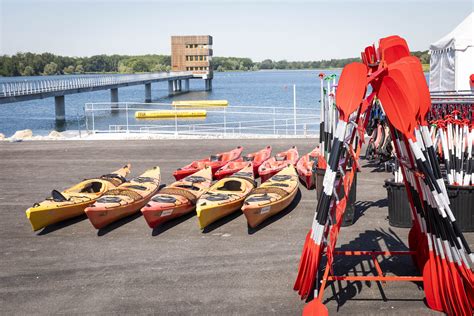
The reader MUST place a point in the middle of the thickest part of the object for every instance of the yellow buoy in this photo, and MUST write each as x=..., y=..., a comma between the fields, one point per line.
x=169, y=114
x=200, y=103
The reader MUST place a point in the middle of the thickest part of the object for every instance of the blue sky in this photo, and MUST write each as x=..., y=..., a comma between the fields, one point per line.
x=292, y=30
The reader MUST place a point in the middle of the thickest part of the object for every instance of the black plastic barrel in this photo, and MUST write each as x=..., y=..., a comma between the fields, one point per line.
x=462, y=205
x=349, y=213
x=398, y=205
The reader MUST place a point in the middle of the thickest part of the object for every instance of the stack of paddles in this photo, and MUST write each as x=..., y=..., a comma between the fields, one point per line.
x=440, y=250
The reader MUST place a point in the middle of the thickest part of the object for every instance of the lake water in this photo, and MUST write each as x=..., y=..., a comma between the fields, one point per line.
x=262, y=89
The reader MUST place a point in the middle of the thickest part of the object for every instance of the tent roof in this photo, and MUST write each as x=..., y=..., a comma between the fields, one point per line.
x=460, y=38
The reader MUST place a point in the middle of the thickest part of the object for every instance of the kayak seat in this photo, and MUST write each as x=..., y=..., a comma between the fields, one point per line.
x=217, y=197
x=282, y=177
x=282, y=185
x=144, y=180
x=57, y=196
x=314, y=158
x=92, y=187
x=215, y=158
x=231, y=185
x=136, y=187
x=195, y=179
x=188, y=187
x=109, y=199
x=164, y=199
x=247, y=158
x=280, y=158
x=258, y=198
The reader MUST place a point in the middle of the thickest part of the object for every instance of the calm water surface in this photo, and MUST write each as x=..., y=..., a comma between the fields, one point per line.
x=262, y=88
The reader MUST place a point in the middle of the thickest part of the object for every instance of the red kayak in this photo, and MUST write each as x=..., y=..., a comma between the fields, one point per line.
x=275, y=164
x=306, y=164
x=214, y=161
x=257, y=158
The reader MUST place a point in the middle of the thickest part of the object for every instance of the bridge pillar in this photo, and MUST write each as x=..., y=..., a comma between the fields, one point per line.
x=60, y=108
x=208, y=84
x=147, y=92
x=186, y=85
x=114, y=97
x=170, y=87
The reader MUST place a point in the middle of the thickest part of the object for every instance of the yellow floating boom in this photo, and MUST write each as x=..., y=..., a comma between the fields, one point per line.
x=200, y=103
x=169, y=114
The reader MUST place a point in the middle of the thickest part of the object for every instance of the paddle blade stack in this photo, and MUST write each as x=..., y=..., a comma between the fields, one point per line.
x=441, y=251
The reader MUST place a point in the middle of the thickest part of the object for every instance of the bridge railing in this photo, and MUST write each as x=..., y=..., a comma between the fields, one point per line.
x=35, y=86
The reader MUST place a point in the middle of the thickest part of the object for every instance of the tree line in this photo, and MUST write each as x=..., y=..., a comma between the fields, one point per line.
x=31, y=64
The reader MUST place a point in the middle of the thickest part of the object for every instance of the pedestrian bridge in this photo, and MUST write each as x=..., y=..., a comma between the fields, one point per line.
x=18, y=90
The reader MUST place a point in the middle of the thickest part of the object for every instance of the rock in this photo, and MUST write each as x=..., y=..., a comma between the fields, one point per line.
x=55, y=134
x=23, y=134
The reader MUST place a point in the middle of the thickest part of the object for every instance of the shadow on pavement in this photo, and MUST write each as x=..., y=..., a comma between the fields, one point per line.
x=277, y=216
x=221, y=222
x=171, y=223
x=61, y=225
x=112, y=226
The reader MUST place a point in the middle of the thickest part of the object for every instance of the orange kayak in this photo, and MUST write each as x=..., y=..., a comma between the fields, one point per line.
x=125, y=200
x=305, y=166
x=178, y=198
x=214, y=161
x=257, y=158
x=271, y=197
x=277, y=163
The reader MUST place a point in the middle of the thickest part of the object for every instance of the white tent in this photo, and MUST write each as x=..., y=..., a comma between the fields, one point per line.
x=452, y=58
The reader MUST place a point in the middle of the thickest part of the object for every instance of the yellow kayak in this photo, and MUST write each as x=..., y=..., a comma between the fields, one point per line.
x=72, y=202
x=271, y=197
x=225, y=196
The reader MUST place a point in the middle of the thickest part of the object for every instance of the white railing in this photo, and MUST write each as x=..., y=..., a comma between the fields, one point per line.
x=35, y=86
x=225, y=121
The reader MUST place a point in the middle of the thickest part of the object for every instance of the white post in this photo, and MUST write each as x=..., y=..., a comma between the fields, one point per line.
x=294, y=107
x=225, y=123
x=274, y=127
x=126, y=111
x=93, y=122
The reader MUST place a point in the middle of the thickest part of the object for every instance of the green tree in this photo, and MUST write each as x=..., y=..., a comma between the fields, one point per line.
x=79, y=69
x=68, y=70
x=28, y=71
x=50, y=69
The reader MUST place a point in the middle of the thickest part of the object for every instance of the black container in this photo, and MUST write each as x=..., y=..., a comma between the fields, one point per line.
x=349, y=213
x=462, y=205
x=398, y=205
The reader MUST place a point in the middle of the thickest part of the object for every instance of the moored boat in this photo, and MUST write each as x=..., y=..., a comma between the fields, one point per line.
x=178, y=198
x=71, y=202
x=214, y=161
x=256, y=158
x=225, y=196
x=271, y=197
x=125, y=200
x=307, y=166
x=276, y=163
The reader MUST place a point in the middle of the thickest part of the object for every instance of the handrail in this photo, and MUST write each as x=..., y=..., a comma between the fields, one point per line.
x=36, y=86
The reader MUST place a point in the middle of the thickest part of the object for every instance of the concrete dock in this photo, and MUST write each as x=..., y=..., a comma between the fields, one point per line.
x=229, y=269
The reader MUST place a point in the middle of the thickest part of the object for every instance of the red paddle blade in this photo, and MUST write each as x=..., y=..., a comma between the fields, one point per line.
x=351, y=89
x=396, y=106
x=421, y=85
x=315, y=308
x=393, y=48
x=401, y=73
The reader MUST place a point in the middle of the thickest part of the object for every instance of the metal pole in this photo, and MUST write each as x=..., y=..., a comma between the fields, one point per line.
x=175, y=123
x=126, y=111
x=294, y=107
x=93, y=121
x=225, y=122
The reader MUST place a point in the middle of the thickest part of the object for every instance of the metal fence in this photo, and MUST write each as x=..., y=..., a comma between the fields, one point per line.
x=232, y=121
x=34, y=86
